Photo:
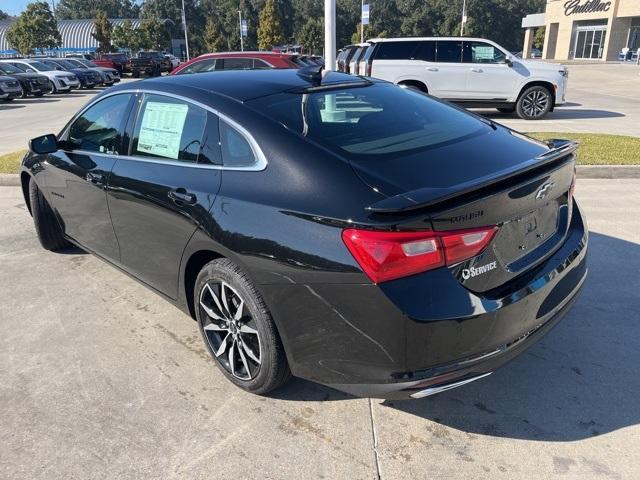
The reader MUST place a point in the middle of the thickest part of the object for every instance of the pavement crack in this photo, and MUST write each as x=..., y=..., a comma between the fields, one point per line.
x=374, y=436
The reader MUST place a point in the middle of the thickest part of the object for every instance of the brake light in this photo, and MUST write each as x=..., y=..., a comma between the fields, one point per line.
x=385, y=256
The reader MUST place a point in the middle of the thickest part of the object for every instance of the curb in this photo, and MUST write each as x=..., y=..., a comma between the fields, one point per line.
x=583, y=171
x=608, y=171
x=9, y=180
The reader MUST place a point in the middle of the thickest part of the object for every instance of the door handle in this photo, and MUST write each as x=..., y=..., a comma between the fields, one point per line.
x=476, y=70
x=181, y=196
x=95, y=178
x=432, y=69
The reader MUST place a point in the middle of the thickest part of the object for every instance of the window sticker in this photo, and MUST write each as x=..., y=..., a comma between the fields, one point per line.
x=483, y=53
x=161, y=129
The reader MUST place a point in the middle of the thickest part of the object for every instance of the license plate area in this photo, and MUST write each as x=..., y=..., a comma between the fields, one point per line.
x=524, y=234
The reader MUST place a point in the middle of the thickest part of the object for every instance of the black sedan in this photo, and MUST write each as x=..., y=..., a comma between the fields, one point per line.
x=336, y=228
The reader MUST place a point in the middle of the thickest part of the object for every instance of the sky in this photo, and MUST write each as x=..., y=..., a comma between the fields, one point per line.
x=14, y=7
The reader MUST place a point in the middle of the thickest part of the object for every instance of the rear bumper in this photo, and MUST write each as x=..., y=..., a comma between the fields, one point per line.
x=423, y=332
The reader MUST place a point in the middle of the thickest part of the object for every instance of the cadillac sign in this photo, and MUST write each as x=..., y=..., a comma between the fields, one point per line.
x=590, y=6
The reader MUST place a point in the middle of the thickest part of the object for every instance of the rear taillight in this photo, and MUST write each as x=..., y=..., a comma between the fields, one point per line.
x=386, y=256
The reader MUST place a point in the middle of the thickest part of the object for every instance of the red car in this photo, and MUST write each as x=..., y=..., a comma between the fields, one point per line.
x=236, y=61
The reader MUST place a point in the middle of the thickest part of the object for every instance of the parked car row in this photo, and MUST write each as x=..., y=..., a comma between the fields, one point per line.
x=37, y=76
x=473, y=72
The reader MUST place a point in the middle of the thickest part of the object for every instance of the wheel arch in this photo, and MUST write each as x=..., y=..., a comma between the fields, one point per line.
x=540, y=83
x=193, y=265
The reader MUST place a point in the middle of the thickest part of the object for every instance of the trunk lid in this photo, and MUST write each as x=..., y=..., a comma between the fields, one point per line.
x=528, y=200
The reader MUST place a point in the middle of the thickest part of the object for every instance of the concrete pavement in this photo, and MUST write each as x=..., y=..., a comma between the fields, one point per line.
x=602, y=98
x=101, y=378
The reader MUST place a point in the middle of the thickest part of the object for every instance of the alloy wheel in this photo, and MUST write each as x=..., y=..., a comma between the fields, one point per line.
x=535, y=103
x=230, y=330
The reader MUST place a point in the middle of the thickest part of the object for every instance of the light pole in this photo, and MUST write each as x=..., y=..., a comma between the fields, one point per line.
x=464, y=17
x=186, y=36
x=240, y=25
x=329, y=34
x=362, y=21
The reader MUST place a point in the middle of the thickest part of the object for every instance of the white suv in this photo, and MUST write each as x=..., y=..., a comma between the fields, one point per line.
x=473, y=72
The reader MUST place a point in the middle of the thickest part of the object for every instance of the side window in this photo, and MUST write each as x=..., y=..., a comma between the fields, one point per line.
x=238, y=63
x=257, y=63
x=99, y=128
x=449, y=51
x=236, y=150
x=396, y=50
x=481, y=52
x=426, y=51
x=356, y=55
x=207, y=65
x=168, y=128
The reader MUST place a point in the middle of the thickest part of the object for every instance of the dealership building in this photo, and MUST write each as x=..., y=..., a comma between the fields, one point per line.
x=585, y=29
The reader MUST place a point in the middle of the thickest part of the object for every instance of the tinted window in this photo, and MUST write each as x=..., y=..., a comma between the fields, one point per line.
x=207, y=65
x=449, y=51
x=236, y=150
x=99, y=129
x=374, y=121
x=9, y=68
x=356, y=55
x=238, y=63
x=39, y=66
x=257, y=63
x=396, y=50
x=169, y=128
x=481, y=52
x=426, y=51
x=368, y=52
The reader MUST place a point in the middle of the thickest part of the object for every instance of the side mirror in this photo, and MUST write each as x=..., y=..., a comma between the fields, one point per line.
x=44, y=144
x=509, y=62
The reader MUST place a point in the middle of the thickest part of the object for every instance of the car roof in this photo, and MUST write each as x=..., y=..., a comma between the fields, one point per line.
x=240, y=85
x=247, y=54
x=409, y=39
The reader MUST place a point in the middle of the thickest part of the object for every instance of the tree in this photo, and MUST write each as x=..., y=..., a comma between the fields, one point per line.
x=270, y=29
x=36, y=28
x=102, y=33
x=154, y=34
x=74, y=9
x=3, y=15
x=124, y=36
x=213, y=38
x=311, y=36
x=538, y=38
x=368, y=33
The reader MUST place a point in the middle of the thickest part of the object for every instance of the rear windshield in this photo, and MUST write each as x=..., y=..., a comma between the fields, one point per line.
x=379, y=119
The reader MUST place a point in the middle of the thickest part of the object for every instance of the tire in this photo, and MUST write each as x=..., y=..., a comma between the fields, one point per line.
x=245, y=345
x=39, y=94
x=534, y=103
x=135, y=74
x=506, y=109
x=47, y=227
x=7, y=100
x=54, y=90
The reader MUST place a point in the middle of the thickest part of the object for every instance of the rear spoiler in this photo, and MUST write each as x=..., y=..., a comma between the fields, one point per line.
x=428, y=197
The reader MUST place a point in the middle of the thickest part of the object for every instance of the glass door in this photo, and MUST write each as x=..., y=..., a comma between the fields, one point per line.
x=589, y=42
